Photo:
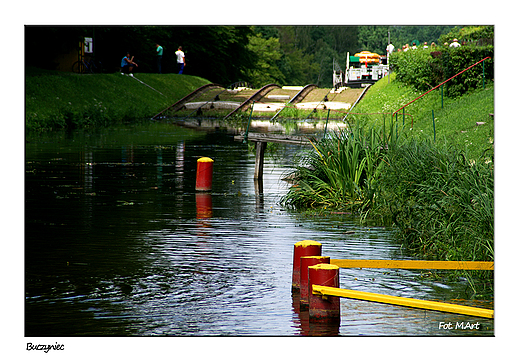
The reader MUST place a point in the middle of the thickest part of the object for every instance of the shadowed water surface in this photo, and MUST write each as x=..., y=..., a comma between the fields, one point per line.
x=119, y=243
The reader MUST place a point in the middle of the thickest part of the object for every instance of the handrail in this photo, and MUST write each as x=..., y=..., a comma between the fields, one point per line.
x=414, y=264
x=402, y=301
x=422, y=95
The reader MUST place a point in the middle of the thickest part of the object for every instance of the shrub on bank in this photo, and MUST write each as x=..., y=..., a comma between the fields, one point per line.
x=426, y=68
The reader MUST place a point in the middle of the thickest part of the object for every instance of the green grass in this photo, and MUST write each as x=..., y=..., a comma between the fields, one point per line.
x=58, y=99
x=455, y=118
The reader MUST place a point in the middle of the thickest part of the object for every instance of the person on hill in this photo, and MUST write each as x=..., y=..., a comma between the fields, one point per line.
x=159, y=50
x=455, y=44
x=127, y=64
x=425, y=46
x=390, y=48
x=181, y=60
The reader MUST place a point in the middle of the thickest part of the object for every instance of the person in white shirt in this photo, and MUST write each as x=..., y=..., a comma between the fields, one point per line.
x=181, y=60
x=455, y=44
x=390, y=48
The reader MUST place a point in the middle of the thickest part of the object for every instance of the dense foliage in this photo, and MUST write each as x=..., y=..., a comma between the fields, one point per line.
x=426, y=68
x=215, y=53
x=441, y=202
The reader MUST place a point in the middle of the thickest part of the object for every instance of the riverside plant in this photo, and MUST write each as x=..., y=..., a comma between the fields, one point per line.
x=340, y=172
x=441, y=203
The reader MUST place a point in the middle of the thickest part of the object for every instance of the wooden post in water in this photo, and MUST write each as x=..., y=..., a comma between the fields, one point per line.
x=303, y=248
x=259, y=162
x=324, y=309
x=305, y=263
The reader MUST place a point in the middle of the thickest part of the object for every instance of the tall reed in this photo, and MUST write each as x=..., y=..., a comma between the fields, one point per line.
x=339, y=172
x=434, y=194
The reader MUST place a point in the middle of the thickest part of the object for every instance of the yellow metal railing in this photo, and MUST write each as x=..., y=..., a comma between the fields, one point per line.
x=414, y=264
x=405, y=302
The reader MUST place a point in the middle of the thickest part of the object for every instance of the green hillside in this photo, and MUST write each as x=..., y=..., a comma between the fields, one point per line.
x=455, y=118
x=56, y=99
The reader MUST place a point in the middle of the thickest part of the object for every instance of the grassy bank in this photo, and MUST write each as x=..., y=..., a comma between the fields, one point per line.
x=57, y=99
x=455, y=118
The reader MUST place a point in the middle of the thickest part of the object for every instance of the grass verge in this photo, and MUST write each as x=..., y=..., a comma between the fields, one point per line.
x=55, y=100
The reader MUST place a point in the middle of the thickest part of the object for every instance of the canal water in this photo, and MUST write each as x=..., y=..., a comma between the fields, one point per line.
x=118, y=243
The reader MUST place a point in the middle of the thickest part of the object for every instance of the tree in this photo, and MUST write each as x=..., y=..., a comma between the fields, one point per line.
x=265, y=69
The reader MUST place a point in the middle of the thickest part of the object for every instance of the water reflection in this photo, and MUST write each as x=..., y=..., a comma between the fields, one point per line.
x=119, y=243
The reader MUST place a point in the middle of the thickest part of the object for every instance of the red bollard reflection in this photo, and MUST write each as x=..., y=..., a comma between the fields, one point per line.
x=204, y=205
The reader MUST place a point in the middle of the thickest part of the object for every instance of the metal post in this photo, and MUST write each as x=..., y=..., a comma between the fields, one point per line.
x=483, y=76
x=403, y=116
x=433, y=119
x=442, y=96
x=384, y=131
x=388, y=58
x=326, y=123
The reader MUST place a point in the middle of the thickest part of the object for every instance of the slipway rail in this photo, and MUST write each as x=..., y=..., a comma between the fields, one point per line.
x=297, y=98
x=255, y=97
x=140, y=81
x=356, y=102
x=180, y=103
x=323, y=100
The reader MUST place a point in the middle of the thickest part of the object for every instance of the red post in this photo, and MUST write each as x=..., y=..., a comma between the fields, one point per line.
x=324, y=308
x=204, y=174
x=305, y=263
x=303, y=248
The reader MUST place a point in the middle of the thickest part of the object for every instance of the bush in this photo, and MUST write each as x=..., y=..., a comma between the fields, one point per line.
x=425, y=69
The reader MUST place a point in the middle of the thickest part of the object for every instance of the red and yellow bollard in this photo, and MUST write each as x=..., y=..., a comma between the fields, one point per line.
x=305, y=263
x=204, y=174
x=324, y=309
x=303, y=248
